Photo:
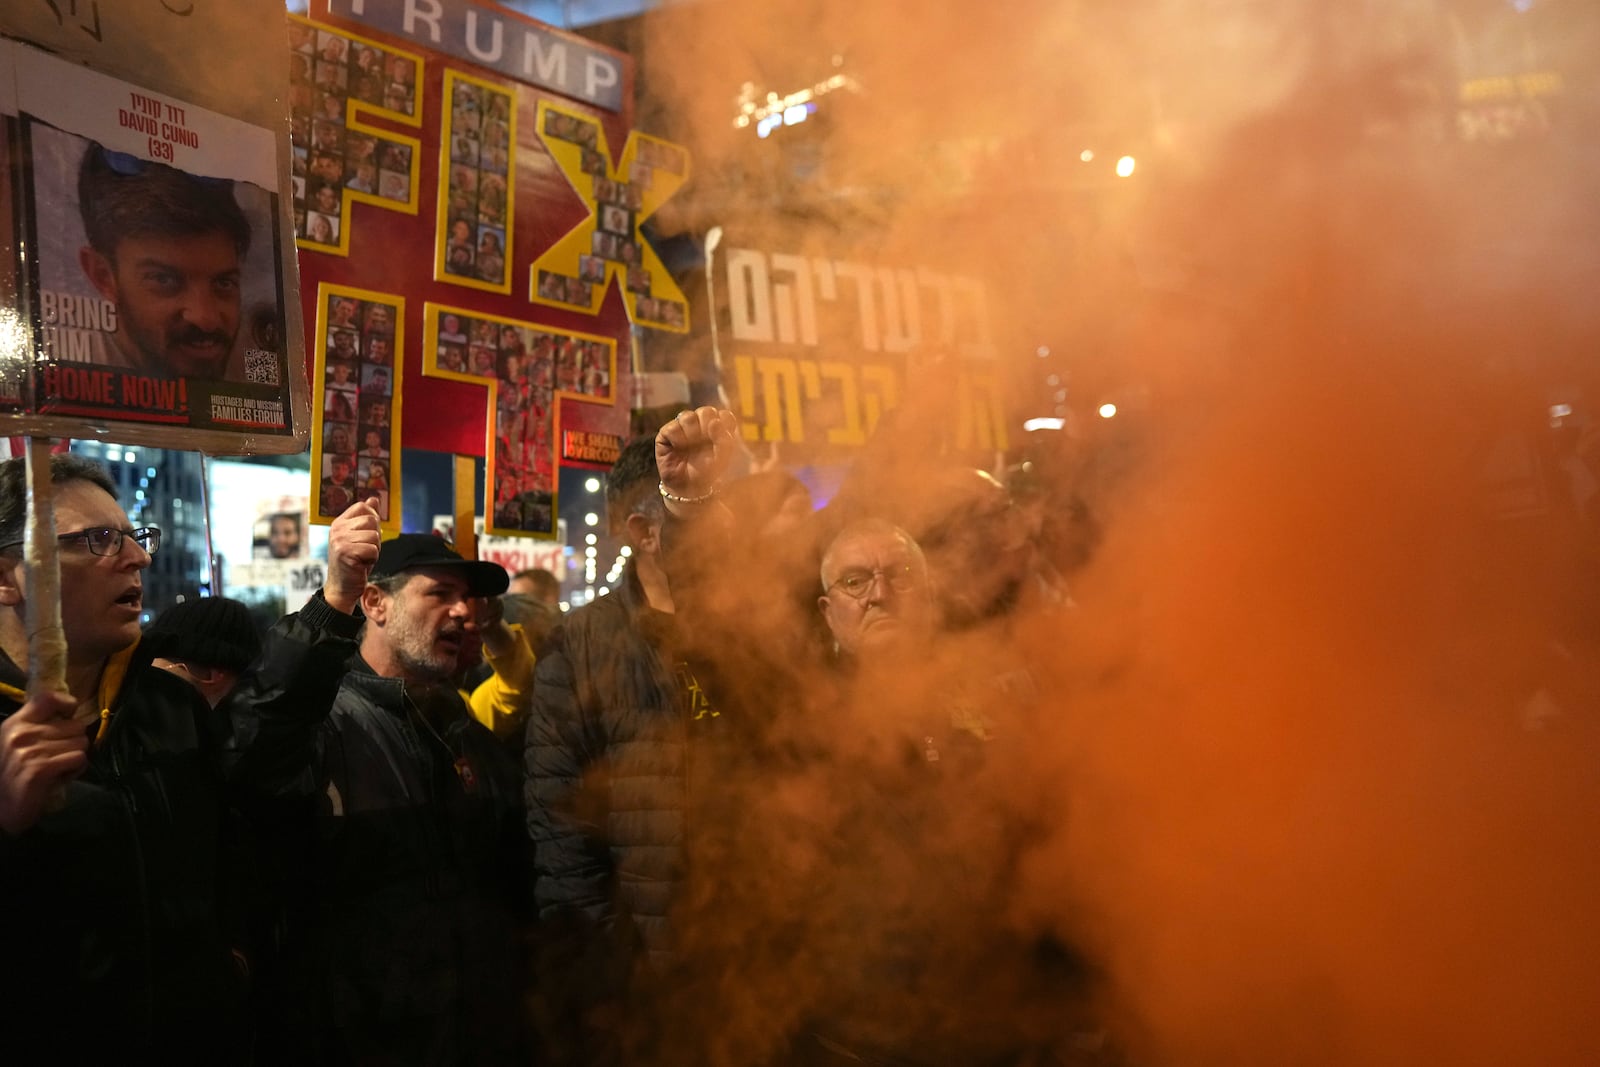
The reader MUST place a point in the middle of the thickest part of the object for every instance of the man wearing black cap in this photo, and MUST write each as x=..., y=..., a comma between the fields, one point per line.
x=400, y=944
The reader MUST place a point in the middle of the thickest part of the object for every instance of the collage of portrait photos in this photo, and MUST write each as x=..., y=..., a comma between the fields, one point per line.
x=359, y=369
x=617, y=206
x=478, y=133
x=326, y=71
x=531, y=366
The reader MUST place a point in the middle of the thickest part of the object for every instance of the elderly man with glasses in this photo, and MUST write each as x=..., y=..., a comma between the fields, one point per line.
x=110, y=808
x=874, y=589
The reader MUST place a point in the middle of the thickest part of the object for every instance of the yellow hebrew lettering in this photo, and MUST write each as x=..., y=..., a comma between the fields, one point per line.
x=997, y=413
x=851, y=433
x=980, y=422
x=781, y=395
x=810, y=379
x=744, y=375
x=884, y=398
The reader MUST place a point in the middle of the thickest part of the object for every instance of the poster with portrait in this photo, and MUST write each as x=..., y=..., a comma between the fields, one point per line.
x=247, y=499
x=529, y=370
x=280, y=530
x=338, y=85
x=155, y=286
x=468, y=198
x=610, y=241
x=355, y=449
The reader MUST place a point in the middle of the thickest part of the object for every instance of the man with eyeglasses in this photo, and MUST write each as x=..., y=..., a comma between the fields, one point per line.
x=874, y=589
x=927, y=852
x=166, y=248
x=110, y=807
x=868, y=776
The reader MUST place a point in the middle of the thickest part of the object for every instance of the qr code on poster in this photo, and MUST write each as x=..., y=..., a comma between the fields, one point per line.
x=261, y=366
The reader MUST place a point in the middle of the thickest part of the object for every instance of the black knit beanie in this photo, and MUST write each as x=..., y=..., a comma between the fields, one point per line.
x=213, y=631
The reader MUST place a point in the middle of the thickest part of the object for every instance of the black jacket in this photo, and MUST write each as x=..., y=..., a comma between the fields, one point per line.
x=403, y=816
x=608, y=765
x=114, y=943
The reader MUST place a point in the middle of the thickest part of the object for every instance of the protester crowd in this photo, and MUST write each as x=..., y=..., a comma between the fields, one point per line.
x=745, y=809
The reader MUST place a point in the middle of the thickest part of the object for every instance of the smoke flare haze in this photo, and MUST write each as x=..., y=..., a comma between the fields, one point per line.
x=1311, y=773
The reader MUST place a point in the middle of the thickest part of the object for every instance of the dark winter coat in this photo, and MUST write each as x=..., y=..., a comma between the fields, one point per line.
x=401, y=938
x=608, y=761
x=114, y=942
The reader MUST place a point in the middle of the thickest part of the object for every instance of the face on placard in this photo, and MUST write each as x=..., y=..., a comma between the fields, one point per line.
x=101, y=596
x=425, y=622
x=876, y=591
x=284, y=537
x=177, y=299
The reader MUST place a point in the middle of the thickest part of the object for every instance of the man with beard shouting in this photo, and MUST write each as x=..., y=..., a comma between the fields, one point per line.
x=398, y=812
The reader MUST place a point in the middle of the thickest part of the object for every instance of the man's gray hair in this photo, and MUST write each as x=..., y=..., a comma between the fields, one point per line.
x=872, y=526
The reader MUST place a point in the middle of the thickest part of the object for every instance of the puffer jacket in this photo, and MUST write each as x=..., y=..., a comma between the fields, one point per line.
x=607, y=769
x=403, y=816
x=114, y=943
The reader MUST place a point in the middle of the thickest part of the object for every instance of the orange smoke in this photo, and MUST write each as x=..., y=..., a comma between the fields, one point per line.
x=1315, y=771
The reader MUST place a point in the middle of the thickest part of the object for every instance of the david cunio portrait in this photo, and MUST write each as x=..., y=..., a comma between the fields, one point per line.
x=166, y=248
